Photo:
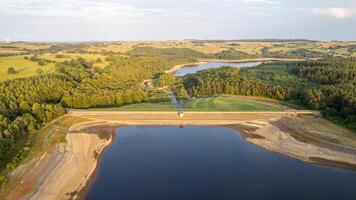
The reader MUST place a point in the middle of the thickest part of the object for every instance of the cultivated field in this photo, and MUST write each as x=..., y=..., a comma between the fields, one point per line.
x=63, y=56
x=11, y=54
x=23, y=67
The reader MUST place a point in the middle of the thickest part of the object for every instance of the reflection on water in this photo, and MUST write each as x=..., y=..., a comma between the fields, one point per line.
x=194, y=68
x=208, y=163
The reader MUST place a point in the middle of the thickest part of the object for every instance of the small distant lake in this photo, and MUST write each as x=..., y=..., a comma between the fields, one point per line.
x=208, y=163
x=190, y=69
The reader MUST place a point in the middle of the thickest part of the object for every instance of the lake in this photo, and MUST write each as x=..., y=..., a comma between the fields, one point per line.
x=208, y=163
x=190, y=69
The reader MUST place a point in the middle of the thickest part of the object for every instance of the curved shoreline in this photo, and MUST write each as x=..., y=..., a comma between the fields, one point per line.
x=82, y=193
x=67, y=170
x=178, y=67
x=203, y=61
x=87, y=141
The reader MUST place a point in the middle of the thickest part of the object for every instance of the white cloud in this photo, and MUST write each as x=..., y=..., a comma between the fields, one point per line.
x=77, y=11
x=339, y=13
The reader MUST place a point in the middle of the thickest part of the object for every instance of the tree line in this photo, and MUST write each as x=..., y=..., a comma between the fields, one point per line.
x=228, y=54
x=328, y=85
x=27, y=104
x=117, y=84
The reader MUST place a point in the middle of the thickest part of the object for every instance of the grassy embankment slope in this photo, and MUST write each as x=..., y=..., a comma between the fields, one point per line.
x=202, y=104
x=229, y=104
x=43, y=143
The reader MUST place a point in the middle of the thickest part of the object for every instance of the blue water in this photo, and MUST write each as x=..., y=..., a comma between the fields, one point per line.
x=208, y=163
x=190, y=69
x=177, y=104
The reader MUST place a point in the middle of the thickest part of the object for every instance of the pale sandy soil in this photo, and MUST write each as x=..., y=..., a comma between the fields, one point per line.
x=177, y=67
x=66, y=173
x=77, y=165
x=269, y=136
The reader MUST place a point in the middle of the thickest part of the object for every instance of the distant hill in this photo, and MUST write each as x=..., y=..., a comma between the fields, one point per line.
x=254, y=40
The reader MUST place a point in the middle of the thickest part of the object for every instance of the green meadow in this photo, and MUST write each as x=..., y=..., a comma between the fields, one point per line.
x=229, y=104
x=201, y=104
x=23, y=67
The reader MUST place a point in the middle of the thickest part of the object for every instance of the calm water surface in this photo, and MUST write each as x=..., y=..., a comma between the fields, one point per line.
x=177, y=104
x=203, y=163
x=190, y=69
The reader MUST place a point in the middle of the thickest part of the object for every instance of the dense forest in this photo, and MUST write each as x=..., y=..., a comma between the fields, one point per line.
x=27, y=104
x=117, y=84
x=326, y=85
x=172, y=52
x=229, y=54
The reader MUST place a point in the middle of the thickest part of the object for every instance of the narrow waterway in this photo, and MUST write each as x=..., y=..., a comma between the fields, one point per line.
x=177, y=103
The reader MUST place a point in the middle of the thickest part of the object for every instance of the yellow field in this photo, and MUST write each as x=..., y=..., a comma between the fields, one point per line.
x=17, y=48
x=68, y=56
x=27, y=68
x=205, y=47
x=215, y=47
x=24, y=68
x=116, y=47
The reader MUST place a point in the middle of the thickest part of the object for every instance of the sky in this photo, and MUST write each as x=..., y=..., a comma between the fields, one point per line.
x=118, y=20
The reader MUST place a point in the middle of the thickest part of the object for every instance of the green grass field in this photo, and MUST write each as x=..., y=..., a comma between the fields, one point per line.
x=230, y=104
x=202, y=104
x=140, y=107
x=68, y=56
x=24, y=68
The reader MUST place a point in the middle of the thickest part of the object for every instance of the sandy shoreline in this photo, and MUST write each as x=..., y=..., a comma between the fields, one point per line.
x=66, y=172
x=269, y=136
x=178, y=67
x=69, y=171
x=72, y=174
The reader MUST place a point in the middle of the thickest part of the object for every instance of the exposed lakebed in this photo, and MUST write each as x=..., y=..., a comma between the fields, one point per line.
x=208, y=162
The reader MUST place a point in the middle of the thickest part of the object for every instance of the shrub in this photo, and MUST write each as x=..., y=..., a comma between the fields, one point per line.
x=42, y=63
x=11, y=70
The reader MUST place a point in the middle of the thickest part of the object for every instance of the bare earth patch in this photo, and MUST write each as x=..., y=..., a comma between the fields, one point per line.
x=276, y=135
x=67, y=170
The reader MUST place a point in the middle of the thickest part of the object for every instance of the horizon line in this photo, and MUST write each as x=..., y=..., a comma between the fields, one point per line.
x=203, y=40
